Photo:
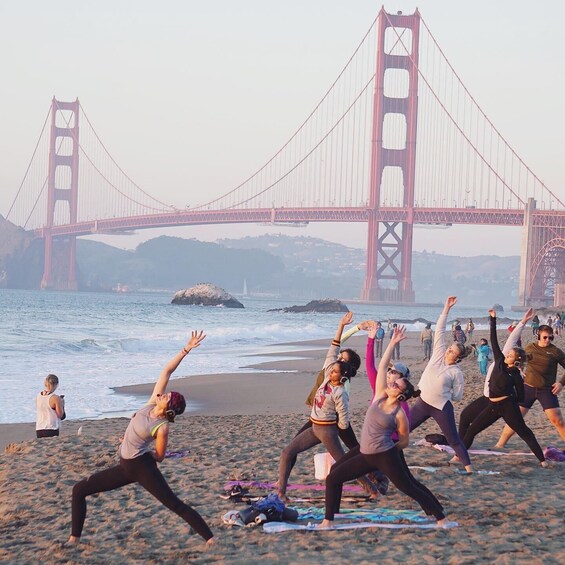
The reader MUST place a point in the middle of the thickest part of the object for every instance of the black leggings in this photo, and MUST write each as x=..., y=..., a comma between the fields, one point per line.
x=509, y=410
x=470, y=412
x=46, y=433
x=355, y=464
x=142, y=470
x=347, y=436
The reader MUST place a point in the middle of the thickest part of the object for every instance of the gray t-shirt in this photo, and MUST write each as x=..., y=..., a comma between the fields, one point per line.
x=376, y=435
x=140, y=433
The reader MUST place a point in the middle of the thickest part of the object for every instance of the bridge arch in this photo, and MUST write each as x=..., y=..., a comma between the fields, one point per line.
x=547, y=269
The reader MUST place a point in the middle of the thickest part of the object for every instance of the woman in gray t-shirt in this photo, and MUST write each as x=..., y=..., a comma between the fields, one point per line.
x=138, y=457
x=377, y=449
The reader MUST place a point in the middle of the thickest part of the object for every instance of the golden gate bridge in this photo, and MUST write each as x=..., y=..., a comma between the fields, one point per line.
x=397, y=140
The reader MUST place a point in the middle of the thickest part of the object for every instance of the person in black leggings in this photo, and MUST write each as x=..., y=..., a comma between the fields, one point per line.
x=506, y=390
x=138, y=462
x=377, y=449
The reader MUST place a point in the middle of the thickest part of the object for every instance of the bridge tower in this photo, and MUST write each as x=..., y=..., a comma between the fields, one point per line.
x=389, y=245
x=59, y=270
x=542, y=264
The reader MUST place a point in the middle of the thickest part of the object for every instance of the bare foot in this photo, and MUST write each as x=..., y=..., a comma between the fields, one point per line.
x=324, y=524
x=73, y=540
x=210, y=543
x=283, y=497
x=469, y=469
x=500, y=446
x=545, y=464
x=454, y=460
x=445, y=523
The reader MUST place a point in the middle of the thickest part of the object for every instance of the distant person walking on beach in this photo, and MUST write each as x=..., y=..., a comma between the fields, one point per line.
x=459, y=335
x=426, y=339
x=396, y=350
x=474, y=408
x=378, y=451
x=535, y=325
x=483, y=354
x=469, y=329
x=138, y=461
x=506, y=389
x=541, y=382
x=50, y=409
x=441, y=383
x=379, y=338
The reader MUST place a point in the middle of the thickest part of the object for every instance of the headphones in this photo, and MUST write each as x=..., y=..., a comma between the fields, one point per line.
x=401, y=397
x=343, y=380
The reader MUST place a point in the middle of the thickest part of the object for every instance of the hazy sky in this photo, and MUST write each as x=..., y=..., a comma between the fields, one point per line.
x=190, y=97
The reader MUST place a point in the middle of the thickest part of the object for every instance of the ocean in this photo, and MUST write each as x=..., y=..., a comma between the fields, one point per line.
x=96, y=341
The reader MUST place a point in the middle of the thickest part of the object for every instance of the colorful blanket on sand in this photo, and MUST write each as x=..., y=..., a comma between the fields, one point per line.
x=364, y=514
x=276, y=527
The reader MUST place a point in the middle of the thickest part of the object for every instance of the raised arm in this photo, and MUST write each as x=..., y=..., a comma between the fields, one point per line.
x=497, y=353
x=356, y=328
x=398, y=335
x=439, y=338
x=163, y=380
x=333, y=351
x=370, y=356
x=516, y=333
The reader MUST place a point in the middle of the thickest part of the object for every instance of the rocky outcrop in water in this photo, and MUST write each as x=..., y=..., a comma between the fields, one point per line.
x=206, y=294
x=324, y=305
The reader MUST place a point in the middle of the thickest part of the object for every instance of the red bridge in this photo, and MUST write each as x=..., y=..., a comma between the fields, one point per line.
x=396, y=141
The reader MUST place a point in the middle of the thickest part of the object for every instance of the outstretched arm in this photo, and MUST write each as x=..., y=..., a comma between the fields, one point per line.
x=497, y=353
x=357, y=328
x=163, y=380
x=370, y=356
x=333, y=351
x=439, y=339
x=516, y=333
x=398, y=335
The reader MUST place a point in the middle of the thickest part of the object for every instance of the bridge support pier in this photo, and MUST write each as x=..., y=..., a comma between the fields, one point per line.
x=59, y=270
x=542, y=264
x=389, y=244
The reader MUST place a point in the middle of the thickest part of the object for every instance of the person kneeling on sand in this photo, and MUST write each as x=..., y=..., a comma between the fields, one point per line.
x=138, y=463
x=378, y=450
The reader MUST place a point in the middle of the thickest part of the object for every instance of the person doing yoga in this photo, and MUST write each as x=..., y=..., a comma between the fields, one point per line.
x=442, y=382
x=330, y=411
x=378, y=449
x=506, y=389
x=138, y=461
x=474, y=408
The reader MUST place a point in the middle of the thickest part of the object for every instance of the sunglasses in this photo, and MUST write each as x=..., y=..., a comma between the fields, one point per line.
x=550, y=337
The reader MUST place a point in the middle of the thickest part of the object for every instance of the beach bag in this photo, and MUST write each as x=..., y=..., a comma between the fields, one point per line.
x=437, y=439
x=322, y=464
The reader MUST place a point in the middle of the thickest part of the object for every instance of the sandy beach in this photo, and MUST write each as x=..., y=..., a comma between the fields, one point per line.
x=236, y=429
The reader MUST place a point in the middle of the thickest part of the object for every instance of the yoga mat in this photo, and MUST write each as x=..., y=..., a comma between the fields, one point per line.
x=276, y=527
x=366, y=514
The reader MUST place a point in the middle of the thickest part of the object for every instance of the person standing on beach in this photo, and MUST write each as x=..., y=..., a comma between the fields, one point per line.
x=378, y=451
x=483, y=354
x=441, y=384
x=474, y=408
x=138, y=461
x=506, y=389
x=50, y=409
x=426, y=339
x=396, y=350
x=469, y=329
x=541, y=382
x=379, y=338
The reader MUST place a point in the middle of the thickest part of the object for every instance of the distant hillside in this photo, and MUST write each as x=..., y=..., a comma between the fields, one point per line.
x=297, y=267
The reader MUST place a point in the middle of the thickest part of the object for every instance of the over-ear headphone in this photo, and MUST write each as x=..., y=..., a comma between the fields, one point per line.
x=343, y=380
x=401, y=397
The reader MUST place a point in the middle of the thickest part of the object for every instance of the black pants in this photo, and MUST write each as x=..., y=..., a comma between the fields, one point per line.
x=347, y=436
x=46, y=433
x=355, y=464
x=509, y=410
x=142, y=470
x=470, y=412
